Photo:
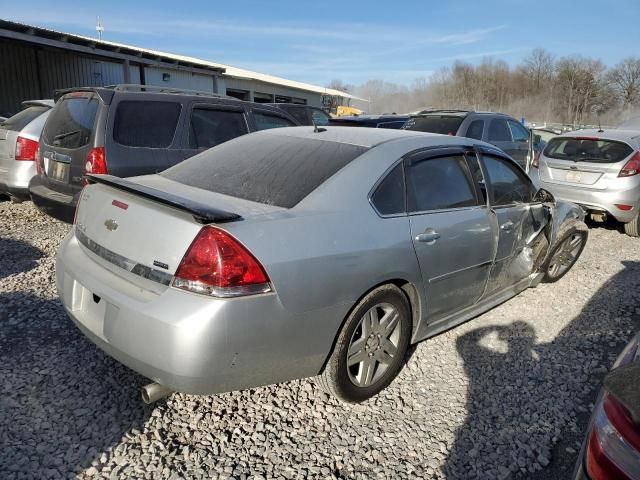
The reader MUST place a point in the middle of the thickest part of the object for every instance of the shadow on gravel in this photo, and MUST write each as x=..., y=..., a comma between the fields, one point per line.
x=62, y=401
x=523, y=396
x=17, y=256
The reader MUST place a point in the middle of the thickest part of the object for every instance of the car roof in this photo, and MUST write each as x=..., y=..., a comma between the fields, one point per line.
x=457, y=113
x=362, y=136
x=629, y=136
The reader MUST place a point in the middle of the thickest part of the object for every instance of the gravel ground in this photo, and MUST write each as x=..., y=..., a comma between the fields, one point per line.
x=506, y=395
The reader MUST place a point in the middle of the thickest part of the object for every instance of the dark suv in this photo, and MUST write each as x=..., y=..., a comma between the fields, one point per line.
x=501, y=130
x=304, y=114
x=129, y=130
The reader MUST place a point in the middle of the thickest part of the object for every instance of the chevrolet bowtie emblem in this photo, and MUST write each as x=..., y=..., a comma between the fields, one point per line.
x=111, y=225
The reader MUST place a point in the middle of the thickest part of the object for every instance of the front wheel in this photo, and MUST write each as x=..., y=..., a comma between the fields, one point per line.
x=565, y=252
x=370, y=348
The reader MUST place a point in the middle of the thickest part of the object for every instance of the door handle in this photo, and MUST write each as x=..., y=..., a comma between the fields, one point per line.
x=507, y=226
x=429, y=236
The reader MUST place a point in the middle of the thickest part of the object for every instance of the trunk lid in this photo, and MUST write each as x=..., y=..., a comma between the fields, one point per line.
x=141, y=229
x=583, y=161
x=7, y=148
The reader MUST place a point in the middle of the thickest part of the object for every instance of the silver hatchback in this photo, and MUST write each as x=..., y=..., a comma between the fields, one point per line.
x=298, y=252
x=599, y=170
x=19, y=136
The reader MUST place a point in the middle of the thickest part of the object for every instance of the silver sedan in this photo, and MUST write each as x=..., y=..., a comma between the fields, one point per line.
x=303, y=252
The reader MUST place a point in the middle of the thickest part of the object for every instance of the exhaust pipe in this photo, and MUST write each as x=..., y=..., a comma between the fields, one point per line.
x=153, y=392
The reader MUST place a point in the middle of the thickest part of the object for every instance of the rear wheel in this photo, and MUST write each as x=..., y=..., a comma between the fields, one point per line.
x=370, y=348
x=633, y=227
x=565, y=252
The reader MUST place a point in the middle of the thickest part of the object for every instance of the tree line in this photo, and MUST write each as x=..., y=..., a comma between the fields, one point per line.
x=574, y=89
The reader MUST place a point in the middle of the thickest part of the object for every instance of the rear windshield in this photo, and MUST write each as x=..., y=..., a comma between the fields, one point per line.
x=434, y=124
x=587, y=150
x=275, y=170
x=70, y=123
x=23, y=118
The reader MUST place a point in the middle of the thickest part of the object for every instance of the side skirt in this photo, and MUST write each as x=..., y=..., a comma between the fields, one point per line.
x=479, y=308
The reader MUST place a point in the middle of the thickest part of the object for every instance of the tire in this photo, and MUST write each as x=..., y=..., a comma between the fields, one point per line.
x=364, y=336
x=565, y=251
x=633, y=227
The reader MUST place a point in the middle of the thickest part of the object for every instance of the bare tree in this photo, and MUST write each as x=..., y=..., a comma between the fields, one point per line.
x=539, y=66
x=625, y=81
x=339, y=85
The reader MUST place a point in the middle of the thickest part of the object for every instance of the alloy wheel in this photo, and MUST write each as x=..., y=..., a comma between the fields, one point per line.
x=374, y=345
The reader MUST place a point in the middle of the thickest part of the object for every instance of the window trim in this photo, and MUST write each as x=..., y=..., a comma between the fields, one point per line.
x=212, y=106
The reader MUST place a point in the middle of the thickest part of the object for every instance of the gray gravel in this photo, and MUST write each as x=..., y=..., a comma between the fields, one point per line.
x=503, y=396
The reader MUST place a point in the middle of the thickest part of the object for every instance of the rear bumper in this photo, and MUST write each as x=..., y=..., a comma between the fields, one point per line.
x=191, y=343
x=14, y=178
x=599, y=199
x=55, y=204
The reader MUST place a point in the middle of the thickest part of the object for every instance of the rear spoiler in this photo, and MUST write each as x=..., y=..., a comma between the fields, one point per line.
x=202, y=212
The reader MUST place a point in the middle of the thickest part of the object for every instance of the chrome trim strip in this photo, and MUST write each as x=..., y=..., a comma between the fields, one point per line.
x=123, y=262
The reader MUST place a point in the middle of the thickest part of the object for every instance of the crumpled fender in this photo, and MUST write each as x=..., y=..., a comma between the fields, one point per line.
x=562, y=212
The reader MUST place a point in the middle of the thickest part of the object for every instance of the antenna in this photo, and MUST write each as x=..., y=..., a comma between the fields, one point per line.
x=99, y=28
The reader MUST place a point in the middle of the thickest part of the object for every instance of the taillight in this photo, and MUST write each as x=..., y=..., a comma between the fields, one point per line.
x=535, y=163
x=613, y=447
x=75, y=213
x=217, y=264
x=39, y=165
x=26, y=149
x=632, y=167
x=96, y=161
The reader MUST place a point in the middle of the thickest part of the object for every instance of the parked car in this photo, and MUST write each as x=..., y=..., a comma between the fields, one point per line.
x=242, y=276
x=372, y=121
x=501, y=130
x=597, y=169
x=19, y=136
x=133, y=130
x=611, y=449
x=304, y=114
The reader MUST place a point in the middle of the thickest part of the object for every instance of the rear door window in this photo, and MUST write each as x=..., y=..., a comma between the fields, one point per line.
x=210, y=127
x=23, y=118
x=299, y=113
x=475, y=129
x=499, y=131
x=440, y=183
x=319, y=117
x=518, y=132
x=446, y=125
x=272, y=169
x=71, y=122
x=265, y=121
x=581, y=149
x=150, y=124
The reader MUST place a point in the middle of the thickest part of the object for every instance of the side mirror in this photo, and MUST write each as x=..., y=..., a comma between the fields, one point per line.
x=536, y=139
x=544, y=196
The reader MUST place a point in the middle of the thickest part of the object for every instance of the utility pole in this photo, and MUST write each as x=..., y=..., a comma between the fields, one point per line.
x=99, y=28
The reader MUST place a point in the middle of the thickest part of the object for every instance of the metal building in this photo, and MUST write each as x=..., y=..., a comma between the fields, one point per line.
x=36, y=61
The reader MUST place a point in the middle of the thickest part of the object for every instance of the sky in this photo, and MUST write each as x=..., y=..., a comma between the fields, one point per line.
x=352, y=41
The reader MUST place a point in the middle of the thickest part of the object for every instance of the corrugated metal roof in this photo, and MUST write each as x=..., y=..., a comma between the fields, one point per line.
x=228, y=69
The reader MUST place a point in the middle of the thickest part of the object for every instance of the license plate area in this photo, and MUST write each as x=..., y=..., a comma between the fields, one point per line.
x=57, y=170
x=574, y=177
